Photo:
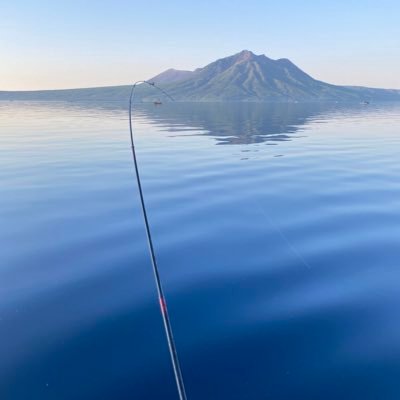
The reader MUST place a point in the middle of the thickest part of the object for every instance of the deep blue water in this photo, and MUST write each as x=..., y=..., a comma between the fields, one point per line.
x=277, y=234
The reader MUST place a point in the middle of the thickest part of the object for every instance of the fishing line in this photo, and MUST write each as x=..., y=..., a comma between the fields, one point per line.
x=160, y=292
x=282, y=234
x=163, y=304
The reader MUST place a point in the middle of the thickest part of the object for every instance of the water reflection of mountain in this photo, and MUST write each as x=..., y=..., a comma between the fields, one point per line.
x=228, y=123
x=231, y=123
x=247, y=123
x=235, y=123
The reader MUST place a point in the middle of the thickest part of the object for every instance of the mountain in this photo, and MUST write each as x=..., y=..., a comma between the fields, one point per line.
x=244, y=76
x=249, y=77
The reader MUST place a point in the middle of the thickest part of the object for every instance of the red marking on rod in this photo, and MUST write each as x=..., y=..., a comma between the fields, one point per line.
x=163, y=305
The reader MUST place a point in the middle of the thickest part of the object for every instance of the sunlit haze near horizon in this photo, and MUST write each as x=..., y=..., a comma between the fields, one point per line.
x=52, y=45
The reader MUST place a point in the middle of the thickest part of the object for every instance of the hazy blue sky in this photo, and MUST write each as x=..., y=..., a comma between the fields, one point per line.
x=57, y=44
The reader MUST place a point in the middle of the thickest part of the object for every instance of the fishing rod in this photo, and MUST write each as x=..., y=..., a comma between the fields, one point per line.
x=163, y=304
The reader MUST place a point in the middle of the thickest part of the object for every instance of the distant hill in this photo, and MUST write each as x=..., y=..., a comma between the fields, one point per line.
x=244, y=76
x=171, y=76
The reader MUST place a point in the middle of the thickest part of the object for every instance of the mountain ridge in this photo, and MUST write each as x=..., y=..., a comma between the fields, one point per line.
x=243, y=76
x=246, y=76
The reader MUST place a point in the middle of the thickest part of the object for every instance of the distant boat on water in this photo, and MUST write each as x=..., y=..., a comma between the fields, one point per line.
x=157, y=103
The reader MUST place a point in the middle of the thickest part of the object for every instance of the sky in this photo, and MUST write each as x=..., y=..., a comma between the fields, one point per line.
x=65, y=44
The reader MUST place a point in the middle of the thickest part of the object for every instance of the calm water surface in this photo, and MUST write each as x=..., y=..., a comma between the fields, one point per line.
x=277, y=233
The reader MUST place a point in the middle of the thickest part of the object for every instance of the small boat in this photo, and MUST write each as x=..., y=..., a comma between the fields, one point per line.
x=365, y=102
x=157, y=103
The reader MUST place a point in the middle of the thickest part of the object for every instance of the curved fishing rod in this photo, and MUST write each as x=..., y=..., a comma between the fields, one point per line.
x=163, y=304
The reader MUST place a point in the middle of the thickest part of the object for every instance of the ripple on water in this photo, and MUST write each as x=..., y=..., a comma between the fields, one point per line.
x=276, y=232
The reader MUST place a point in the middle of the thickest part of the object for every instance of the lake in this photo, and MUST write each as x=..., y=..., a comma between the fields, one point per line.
x=276, y=229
